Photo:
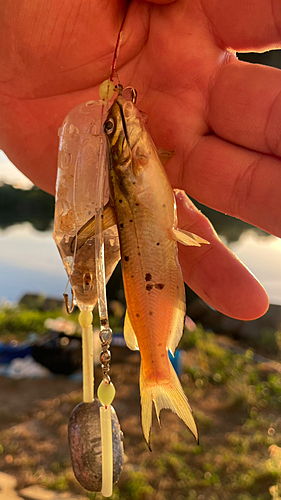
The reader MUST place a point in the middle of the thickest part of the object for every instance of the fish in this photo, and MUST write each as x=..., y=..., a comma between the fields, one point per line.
x=145, y=210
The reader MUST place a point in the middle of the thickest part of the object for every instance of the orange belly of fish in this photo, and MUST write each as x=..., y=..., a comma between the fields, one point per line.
x=150, y=315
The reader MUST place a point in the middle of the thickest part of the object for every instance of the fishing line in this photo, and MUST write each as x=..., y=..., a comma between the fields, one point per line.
x=118, y=41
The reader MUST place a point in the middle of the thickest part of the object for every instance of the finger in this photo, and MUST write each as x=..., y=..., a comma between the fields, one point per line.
x=62, y=48
x=235, y=181
x=163, y=2
x=245, y=106
x=214, y=272
x=245, y=25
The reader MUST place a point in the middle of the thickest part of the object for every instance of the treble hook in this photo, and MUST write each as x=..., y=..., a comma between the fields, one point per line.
x=132, y=94
x=69, y=308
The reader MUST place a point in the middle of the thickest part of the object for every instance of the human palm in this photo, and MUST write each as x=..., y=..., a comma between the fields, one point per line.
x=219, y=116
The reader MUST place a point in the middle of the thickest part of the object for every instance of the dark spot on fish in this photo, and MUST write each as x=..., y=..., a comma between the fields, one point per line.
x=152, y=361
x=103, y=321
x=132, y=276
x=162, y=355
x=160, y=343
x=101, y=215
x=131, y=220
x=134, y=182
x=121, y=225
x=137, y=204
x=137, y=315
x=148, y=277
x=164, y=206
x=158, y=244
x=150, y=313
x=120, y=201
x=138, y=253
x=149, y=287
x=89, y=213
x=177, y=287
x=126, y=258
x=159, y=286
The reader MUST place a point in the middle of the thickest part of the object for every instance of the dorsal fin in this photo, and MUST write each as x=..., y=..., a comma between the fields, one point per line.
x=164, y=155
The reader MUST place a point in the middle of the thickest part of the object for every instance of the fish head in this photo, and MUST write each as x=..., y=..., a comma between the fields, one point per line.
x=124, y=131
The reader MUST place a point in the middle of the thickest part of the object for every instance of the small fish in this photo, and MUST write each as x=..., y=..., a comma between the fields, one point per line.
x=145, y=210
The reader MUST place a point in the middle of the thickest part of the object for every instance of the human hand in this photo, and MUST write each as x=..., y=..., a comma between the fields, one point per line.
x=219, y=115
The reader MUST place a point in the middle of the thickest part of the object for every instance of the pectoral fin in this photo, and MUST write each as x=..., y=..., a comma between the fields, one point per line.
x=187, y=238
x=129, y=334
x=89, y=229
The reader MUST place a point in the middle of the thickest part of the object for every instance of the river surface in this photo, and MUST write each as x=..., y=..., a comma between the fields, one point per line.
x=30, y=262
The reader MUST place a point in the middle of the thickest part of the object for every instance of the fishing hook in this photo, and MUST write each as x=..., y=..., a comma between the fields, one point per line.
x=69, y=308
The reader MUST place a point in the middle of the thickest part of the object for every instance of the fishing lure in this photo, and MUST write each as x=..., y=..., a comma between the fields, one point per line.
x=95, y=439
x=96, y=450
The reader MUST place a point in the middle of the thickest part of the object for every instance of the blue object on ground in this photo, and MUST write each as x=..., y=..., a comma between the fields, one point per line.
x=9, y=351
x=177, y=361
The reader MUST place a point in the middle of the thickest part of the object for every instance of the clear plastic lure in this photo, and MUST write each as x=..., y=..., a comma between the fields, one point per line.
x=82, y=192
x=77, y=199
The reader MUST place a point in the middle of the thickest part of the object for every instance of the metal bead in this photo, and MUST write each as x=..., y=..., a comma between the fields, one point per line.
x=105, y=368
x=106, y=336
x=105, y=357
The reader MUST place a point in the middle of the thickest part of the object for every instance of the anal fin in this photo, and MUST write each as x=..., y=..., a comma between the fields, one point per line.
x=178, y=320
x=129, y=334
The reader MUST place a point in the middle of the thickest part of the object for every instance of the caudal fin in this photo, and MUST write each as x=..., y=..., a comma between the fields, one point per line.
x=168, y=395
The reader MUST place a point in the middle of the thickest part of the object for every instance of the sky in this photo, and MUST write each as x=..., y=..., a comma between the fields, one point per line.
x=9, y=174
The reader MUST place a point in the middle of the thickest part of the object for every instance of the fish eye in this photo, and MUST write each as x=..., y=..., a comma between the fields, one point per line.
x=108, y=126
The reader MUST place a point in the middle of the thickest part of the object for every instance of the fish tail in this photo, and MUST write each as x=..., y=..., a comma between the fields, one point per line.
x=170, y=395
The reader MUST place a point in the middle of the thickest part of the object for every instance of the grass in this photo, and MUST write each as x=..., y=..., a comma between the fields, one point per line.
x=17, y=322
x=242, y=463
x=237, y=406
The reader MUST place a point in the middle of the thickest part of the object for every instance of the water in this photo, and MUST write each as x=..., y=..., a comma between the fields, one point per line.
x=30, y=262
x=262, y=255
